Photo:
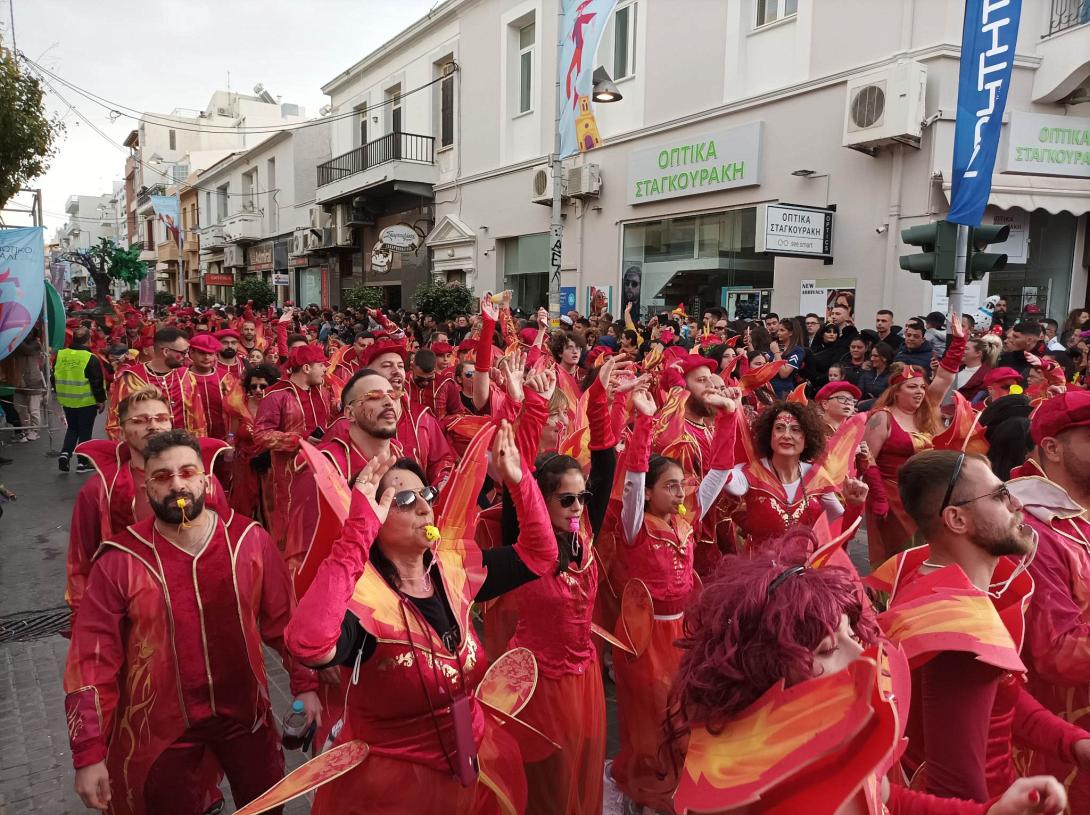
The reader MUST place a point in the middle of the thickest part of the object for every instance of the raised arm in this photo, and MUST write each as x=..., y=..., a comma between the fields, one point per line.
x=950, y=363
x=482, y=379
x=639, y=457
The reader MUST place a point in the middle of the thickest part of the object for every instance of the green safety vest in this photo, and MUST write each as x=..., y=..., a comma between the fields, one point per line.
x=73, y=389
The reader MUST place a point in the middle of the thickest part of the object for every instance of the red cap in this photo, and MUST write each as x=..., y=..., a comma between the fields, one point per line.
x=833, y=388
x=302, y=355
x=1060, y=413
x=442, y=347
x=228, y=333
x=205, y=342
x=674, y=353
x=597, y=352
x=528, y=335
x=691, y=362
x=376, y=350
x=1000, y=375
x=467, y=345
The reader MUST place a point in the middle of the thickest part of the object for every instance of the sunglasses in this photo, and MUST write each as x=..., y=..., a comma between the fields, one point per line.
x=566, y=499
x=179, y=351
x=954, y=475
x=164, y=477
x=376, y=395
x=144, y=421
x=406, y=498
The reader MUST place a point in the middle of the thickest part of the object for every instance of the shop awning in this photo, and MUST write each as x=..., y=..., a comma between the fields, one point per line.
x=1030, y=193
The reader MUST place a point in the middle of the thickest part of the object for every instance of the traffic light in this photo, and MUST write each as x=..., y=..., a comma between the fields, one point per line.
x=939, y=243
x=980, y=263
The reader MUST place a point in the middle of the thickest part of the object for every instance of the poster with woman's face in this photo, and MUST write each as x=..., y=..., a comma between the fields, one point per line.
x=631, y=286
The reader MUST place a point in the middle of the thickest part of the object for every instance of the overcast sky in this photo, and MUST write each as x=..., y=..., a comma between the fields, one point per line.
x=160, y=56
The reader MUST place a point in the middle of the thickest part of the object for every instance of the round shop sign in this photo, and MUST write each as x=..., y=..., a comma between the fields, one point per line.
x=400, y=238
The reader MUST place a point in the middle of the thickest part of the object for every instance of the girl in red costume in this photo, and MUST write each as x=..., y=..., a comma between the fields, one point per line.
x=390, y=603
x=769, y=642
x=241, y=406
x=903, y=422
x=554, y=620
x=774, y=490
x=657, y=551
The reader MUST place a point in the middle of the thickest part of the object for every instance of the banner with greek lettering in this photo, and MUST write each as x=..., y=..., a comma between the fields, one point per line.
x=581, y=26
x=988, y=39
x=168, y=210
x=22, y=284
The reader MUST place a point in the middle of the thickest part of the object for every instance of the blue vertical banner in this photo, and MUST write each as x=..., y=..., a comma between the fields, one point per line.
x=168, y=209
x=988, y=39
x=567, y=299
x=581, y=26
x=22, y=284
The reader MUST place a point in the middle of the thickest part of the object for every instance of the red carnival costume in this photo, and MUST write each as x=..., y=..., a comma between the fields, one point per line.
x=439, y=395
x=287, y=414
x=963, y=646
x=658, y=554
x=166, y=655
x=1057, y=651
x=114, y=499
x=178, y=386
x=889, y=529
x=213, y=388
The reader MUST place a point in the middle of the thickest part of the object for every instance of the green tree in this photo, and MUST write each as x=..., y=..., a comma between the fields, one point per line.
x=445, y=300
x=106, y=261
x=28, y=138
x=362, y=297
x=256, y=289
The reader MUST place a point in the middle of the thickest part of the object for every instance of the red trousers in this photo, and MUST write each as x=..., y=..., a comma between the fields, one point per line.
x=252, y=762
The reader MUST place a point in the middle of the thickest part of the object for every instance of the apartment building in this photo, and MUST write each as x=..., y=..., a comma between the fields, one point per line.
x=737, y=116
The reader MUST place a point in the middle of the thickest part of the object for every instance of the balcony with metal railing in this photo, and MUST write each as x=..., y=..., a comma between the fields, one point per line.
x=407, y=158
x=1066, y=14
x=1063, y=52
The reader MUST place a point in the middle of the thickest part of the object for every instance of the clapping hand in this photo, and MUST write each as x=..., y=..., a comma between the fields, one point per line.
x=542, y=383
x=505, y=454
x=367, y=483
x=642, y=401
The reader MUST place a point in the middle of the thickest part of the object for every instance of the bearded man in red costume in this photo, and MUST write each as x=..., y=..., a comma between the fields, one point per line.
x=165, y=678
x=299, y=407
x=214, y=381
x=418, y=431
x=113, y=498
x=957, y=609
x=166, y=371
x=228, y=356
x=1056, y=497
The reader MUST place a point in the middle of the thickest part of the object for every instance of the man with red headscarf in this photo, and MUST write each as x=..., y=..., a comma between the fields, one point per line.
x=418, y=431
x=299, y=407
x=1057, y=649
x=228, y=356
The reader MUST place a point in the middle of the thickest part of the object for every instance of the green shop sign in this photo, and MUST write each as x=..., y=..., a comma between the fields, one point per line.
x=716, y=161
x=1038, y=144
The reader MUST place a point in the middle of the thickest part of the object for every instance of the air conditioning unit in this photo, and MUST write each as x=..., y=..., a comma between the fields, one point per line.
x=319, y=218
x=583, y=182
x=233, y=256
x=312, y=239
x=541, y=185
x=885, y=106
x=299, y=242
x=348, y=215
x=344, y=236
x=223, y=111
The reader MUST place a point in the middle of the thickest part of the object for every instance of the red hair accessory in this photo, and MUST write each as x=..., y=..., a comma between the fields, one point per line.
x=904, y=375
x=733, y=341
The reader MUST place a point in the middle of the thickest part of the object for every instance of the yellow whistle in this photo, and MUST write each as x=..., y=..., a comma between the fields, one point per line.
x=1015, y=389
x=182, y=503
x=681, y=510
x=431, y=533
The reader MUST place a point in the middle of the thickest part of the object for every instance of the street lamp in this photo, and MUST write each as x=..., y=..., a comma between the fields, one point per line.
x=603, y=91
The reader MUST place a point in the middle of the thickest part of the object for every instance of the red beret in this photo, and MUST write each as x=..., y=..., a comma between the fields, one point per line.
x=1000, y=375
x=833, y=388
x=596, y=353
x=206, y=343
x=691, y=362
x=674, y=353
x=528, y=336
x=228, y=333
x=467, y=345
x=1060, y=413
x=376, y=350
x=442, y=347
x=302, y=355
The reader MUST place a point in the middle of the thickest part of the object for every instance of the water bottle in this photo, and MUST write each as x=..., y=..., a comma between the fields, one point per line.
x=295, y=727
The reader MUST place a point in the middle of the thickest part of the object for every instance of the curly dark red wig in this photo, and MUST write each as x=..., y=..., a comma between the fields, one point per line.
x=807, y=417
x=740, y=639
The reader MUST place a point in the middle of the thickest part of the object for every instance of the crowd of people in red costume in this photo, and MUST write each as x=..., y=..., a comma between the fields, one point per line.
x=457, y=534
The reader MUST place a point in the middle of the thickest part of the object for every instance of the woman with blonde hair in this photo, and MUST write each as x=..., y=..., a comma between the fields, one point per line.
x=903, y=422
x=981, y=354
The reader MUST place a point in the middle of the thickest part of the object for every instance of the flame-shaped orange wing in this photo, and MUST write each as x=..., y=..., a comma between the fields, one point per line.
x=798, y=395
x=777, y=737
x=835, y=463
x=236, y=403
x=576, y=439
x=821, y=556
x=318, y=771
x=943, y=611
x=509, y=682
x=334, y=500
x=761, y=376
x=958, y=434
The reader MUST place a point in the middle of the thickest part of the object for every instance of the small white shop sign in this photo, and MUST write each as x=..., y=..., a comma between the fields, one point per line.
x=1016, y=246
x=1040, y=144
x=715, y=161
x=797, y=231
x=400, y=238
x=280, y=278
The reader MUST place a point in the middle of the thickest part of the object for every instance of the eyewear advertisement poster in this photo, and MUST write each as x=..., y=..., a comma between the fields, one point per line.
x=819, y=296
